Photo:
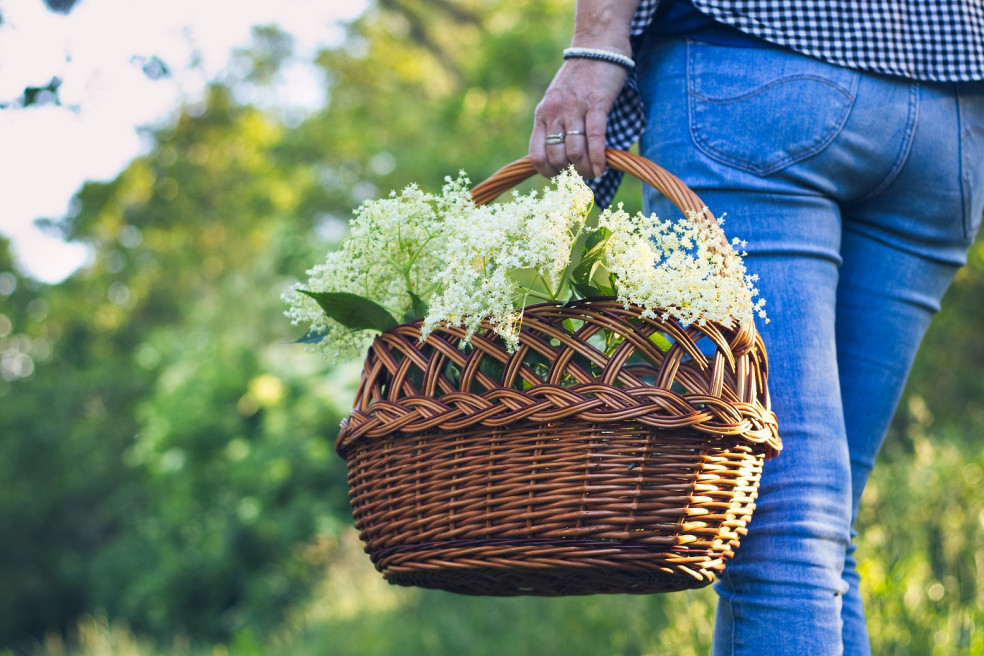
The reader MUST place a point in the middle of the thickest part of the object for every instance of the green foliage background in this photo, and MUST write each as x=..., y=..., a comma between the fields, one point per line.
x=169, y=484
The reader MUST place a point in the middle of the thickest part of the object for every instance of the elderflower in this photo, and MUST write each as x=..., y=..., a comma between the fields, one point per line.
x=498, y=256
x=442, y=259
x=681, y=269
x=396, y=246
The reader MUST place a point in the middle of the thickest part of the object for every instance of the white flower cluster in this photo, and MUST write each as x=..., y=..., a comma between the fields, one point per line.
x=472, y=264
x=682, y=268
x=499, y=255
x=396, y=245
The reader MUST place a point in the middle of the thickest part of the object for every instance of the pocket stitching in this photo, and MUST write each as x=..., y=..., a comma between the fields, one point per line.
x=821, y=142
x=790, y=78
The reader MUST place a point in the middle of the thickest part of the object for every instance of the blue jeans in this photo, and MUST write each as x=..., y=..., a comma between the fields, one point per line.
x=858, y=195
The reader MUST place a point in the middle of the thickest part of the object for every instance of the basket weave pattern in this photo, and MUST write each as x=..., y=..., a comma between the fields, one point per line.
x=559, y=469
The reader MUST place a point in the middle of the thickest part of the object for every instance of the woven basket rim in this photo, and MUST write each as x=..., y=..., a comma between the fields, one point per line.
x=540, y=404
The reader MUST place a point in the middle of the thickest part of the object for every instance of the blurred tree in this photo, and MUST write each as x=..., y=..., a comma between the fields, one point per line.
x=234, y=439
x=423, y=89
x=165, y=454
x=170, y=453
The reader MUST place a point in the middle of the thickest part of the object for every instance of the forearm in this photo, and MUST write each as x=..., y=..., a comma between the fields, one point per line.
x=604, y=24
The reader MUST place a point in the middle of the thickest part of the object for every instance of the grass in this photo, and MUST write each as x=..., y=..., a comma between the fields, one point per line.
x=921, y=555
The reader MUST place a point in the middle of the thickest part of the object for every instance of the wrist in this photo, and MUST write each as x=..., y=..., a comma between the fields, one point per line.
x=604, y=25
x=621, y=46
x=598, y=54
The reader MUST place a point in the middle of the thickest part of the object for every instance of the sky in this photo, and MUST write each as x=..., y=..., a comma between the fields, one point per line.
x=48, y=152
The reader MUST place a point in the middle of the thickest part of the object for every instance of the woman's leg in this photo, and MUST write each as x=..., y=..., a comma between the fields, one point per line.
x=901, y=247
x=781, y=143
x=901, y=292
x=782, y=592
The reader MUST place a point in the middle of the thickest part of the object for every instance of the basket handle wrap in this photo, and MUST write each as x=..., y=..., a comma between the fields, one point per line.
x=682, y=196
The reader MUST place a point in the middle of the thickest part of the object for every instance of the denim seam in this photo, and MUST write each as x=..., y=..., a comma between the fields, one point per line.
x=730, y=596
x=964, y=187
x=823, y=142
x=965, y=182
x=903, y=156
x=969, y=228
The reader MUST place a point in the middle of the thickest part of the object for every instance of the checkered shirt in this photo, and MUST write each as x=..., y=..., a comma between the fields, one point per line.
x=937, y=41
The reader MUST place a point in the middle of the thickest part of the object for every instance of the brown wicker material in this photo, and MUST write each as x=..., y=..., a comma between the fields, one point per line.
x=558, y=470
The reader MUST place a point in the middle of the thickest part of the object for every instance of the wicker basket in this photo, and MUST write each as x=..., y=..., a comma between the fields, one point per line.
x=558, y=470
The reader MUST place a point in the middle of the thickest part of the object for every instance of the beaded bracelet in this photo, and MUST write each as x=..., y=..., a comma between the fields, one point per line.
x=601, y=55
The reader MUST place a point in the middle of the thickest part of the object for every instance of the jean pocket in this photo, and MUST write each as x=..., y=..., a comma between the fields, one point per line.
x=762, y=109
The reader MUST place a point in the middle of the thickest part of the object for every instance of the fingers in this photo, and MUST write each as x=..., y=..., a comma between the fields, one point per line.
x=596, y=123
x=556, y=145
x=538, y=148
x=569, y=123
x=553, y=151
x=561, y=111
x=557, y=154
x=576, y=151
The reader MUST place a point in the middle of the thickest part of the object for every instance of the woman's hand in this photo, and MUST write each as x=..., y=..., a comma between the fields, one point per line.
x=569, y=123
x=576, y=106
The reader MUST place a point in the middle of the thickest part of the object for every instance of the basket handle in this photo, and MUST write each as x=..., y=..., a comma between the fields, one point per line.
x=682, y=196
x=652, y=174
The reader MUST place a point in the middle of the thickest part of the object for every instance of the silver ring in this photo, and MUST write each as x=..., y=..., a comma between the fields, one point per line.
x=569, y=132
x=554, y=139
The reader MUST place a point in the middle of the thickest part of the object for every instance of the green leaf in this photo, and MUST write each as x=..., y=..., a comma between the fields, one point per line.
x=310, y=337
x=594, y=245
x=353, y=311
x=418, y=308
x=595, y=282
x=594, y=248
x=659, y=339
x=587, y=291
x=597, y=239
